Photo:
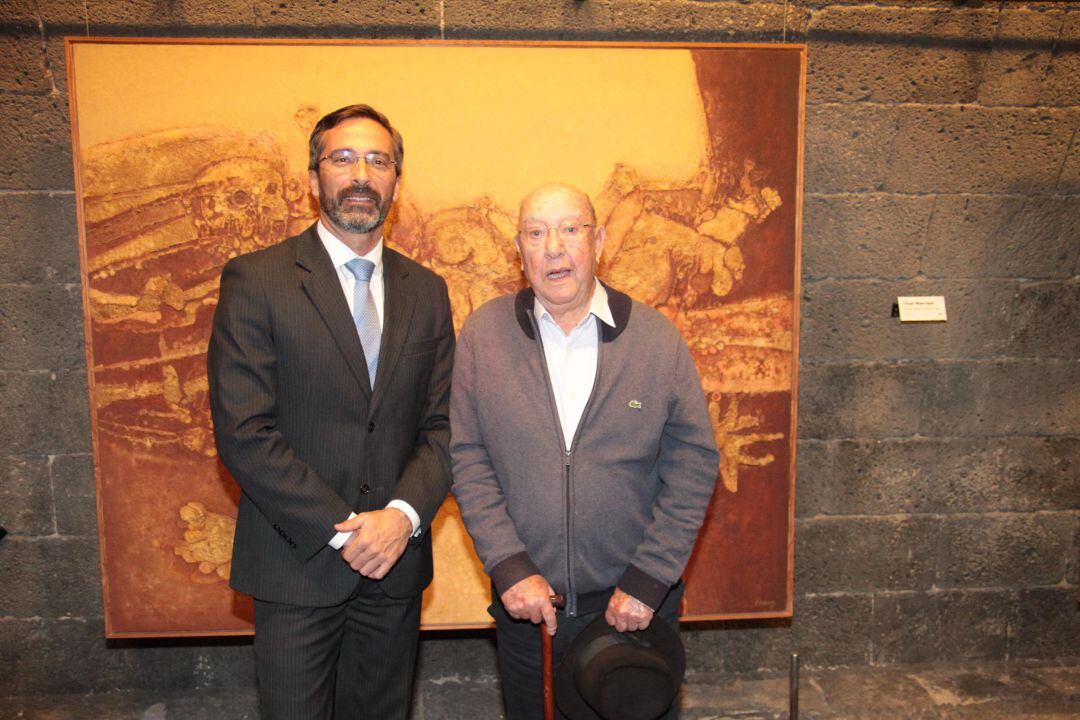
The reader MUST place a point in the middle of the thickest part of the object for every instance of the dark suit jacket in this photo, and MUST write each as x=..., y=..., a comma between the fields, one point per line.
x=300, y=430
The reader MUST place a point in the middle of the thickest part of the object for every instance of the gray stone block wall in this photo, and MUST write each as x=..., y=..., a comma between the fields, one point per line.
x=938, y=500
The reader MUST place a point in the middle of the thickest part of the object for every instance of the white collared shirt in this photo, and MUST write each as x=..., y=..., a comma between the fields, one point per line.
x=340, y=255
x=571, y=358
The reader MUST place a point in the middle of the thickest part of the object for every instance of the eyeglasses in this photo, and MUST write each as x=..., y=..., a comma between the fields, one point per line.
x=344, y=159
x=571, y=232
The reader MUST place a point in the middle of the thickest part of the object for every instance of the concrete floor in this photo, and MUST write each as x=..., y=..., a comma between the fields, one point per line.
x=982, y=691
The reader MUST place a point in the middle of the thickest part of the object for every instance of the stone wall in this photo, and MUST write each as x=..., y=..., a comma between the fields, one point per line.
x=938, y=504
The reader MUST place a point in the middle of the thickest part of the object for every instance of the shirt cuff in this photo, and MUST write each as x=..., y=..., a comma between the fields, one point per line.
x=409, y=513
x=338, y=541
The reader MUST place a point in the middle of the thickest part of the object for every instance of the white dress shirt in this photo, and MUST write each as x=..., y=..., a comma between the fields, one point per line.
x=340, y=255
x=571, y=358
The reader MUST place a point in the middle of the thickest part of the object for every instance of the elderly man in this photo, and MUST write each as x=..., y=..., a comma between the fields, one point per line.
x=582, y=450
x=329, y=370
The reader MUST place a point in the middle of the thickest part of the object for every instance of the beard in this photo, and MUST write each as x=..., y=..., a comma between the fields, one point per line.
x=358, y=219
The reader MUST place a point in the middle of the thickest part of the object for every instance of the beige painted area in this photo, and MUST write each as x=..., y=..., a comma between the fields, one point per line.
x=476, y=120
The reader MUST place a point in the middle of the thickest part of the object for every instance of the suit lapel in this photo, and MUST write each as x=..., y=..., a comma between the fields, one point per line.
x=398, y=304
x=323, y=287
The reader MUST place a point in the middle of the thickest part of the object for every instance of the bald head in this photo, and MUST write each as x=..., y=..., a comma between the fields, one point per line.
x=560, y=245
x=566, y=195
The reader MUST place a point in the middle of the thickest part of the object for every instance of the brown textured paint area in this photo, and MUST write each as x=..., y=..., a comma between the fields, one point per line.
x=164, y=211
x=741, y=563
x=698, y=196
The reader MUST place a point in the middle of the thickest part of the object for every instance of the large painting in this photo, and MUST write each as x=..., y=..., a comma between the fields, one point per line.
x=191, y=152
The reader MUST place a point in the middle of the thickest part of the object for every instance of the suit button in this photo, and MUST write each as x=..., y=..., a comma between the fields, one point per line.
x=371, y=426
x=365, y=489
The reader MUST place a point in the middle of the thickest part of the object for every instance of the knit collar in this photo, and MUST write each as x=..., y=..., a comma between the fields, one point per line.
x=618, y=303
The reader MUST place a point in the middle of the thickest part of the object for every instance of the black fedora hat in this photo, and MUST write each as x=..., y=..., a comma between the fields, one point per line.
x=609, y=675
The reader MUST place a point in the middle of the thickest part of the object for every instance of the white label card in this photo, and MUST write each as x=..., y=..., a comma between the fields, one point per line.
x=922, y=308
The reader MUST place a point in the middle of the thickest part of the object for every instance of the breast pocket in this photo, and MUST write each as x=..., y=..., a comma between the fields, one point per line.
x=419, y=347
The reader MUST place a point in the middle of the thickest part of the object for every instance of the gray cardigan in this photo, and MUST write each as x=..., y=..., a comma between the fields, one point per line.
x=623, y=505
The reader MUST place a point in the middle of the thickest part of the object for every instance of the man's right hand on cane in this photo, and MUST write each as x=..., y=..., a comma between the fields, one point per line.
x=530, y=599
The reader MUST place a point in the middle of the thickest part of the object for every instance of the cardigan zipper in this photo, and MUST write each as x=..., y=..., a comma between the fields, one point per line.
x=568, y=510
x=571, y=597
x=571, y=600
x=571, y=605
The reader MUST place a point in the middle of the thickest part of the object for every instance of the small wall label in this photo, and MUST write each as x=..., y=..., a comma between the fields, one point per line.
x=922, y=308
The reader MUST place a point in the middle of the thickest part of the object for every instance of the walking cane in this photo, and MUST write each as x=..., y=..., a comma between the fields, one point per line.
x=547, y=672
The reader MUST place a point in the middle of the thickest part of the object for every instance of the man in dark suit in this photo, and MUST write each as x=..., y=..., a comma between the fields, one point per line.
x=329, y=369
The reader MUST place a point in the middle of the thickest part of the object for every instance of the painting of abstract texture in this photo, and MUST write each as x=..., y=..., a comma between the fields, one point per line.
x=190, y=152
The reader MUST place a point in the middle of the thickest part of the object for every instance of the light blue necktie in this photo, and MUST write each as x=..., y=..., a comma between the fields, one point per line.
x=364, y=314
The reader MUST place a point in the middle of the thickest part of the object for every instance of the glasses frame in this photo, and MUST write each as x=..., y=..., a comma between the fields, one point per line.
x=392, y=163
x=558, y=230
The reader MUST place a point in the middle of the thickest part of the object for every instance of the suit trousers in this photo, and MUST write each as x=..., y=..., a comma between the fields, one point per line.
x=353, y=661
x=518, y=647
